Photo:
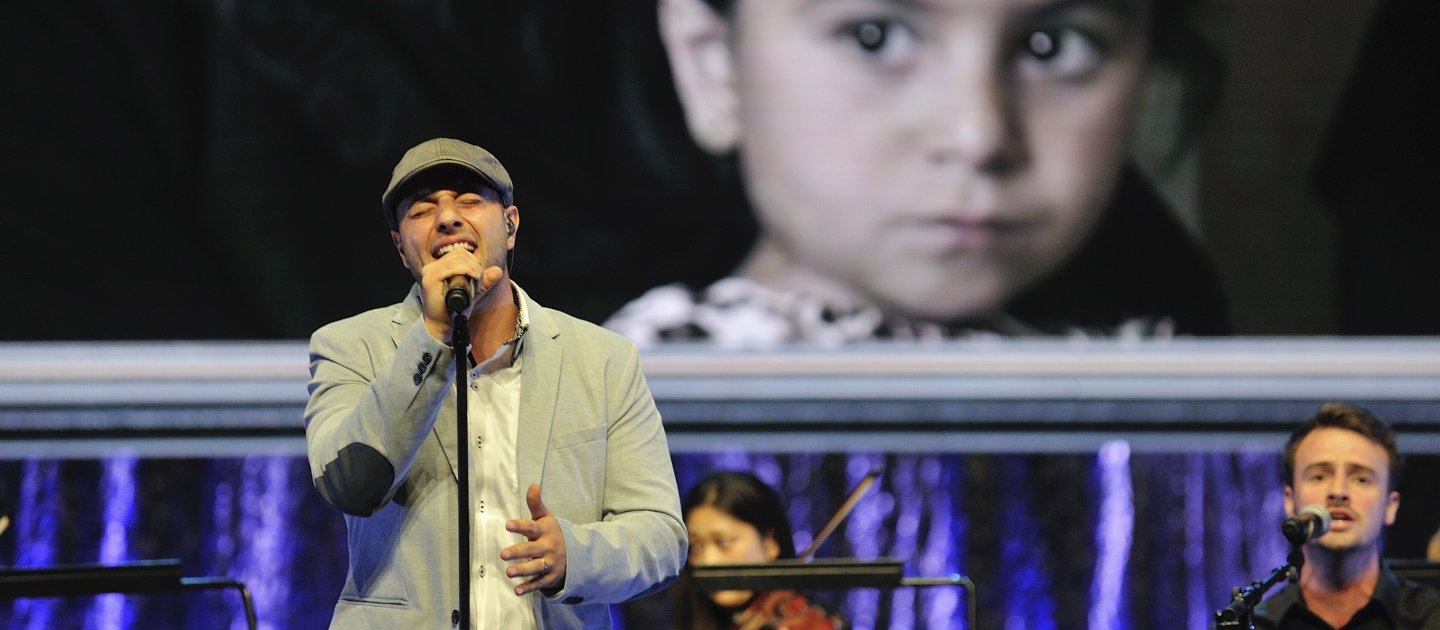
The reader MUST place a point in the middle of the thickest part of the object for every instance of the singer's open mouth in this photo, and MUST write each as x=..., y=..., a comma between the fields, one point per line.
x=447, y=248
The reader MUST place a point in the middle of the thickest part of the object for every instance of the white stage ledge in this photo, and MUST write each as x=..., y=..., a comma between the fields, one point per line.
x=186, y=399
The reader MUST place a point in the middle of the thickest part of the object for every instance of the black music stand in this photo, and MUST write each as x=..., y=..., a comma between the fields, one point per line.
x=821, y=574
x=146, y=576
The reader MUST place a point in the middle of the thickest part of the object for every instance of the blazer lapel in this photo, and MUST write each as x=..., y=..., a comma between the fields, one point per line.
x=540, y=387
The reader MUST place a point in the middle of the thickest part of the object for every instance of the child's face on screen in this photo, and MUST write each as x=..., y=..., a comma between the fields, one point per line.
x=933, y=156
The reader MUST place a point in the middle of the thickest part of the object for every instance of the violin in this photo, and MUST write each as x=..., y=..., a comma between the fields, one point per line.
x=787, y=610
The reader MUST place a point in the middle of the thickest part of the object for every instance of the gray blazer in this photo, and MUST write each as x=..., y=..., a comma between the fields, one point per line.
x=380, y=431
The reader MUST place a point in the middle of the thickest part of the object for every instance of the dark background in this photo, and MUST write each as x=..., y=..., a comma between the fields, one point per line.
x=183, y=170
x=205, y=170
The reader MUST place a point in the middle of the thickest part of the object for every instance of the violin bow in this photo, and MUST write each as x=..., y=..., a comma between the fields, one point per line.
x=840, y=514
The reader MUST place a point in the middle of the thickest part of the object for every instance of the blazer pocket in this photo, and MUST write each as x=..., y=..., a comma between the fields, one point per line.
x=566, y=440
x=384, y=602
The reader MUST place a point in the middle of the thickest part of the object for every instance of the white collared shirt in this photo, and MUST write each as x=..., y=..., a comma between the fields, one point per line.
x=496, y=495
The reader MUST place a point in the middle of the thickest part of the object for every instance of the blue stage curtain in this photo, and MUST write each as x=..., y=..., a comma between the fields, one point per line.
x=1110, y=539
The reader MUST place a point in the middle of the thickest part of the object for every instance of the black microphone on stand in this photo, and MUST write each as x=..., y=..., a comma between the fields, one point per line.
x=459, y=290
x=1310, y=523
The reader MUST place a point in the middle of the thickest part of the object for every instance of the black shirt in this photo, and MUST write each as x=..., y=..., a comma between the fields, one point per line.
x=1397, y=603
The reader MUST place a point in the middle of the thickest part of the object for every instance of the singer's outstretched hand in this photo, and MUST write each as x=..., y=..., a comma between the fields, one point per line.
x=543, y=557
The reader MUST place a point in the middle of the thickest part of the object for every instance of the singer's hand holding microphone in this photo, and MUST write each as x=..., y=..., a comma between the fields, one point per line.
x=449, y=284
x=461, y=291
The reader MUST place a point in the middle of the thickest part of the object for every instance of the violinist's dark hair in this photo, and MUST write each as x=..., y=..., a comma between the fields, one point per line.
x=747, y=498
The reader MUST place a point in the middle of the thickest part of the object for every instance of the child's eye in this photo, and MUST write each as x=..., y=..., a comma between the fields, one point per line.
x=871, y=35
x=1043, y=44
x=1064, y=52
x=885, y=40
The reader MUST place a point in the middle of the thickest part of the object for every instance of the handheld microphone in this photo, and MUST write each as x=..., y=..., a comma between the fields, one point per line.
x=459, y=291
x=1310, y=523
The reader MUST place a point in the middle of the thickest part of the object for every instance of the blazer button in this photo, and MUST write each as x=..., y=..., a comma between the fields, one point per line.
x=418, y=378
x=454, y=617
x=425, y=358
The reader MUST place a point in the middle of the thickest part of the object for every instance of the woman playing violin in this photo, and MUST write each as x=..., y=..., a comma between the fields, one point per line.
x=734, y=517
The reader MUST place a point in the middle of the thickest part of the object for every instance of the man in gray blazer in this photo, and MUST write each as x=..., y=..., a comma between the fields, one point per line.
x=573, y=498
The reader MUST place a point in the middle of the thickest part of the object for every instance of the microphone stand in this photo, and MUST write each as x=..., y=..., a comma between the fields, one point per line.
x=460, y=344
x=1237, y=614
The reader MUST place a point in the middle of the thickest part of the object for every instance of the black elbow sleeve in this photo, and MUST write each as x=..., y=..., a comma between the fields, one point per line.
x=357, y=480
